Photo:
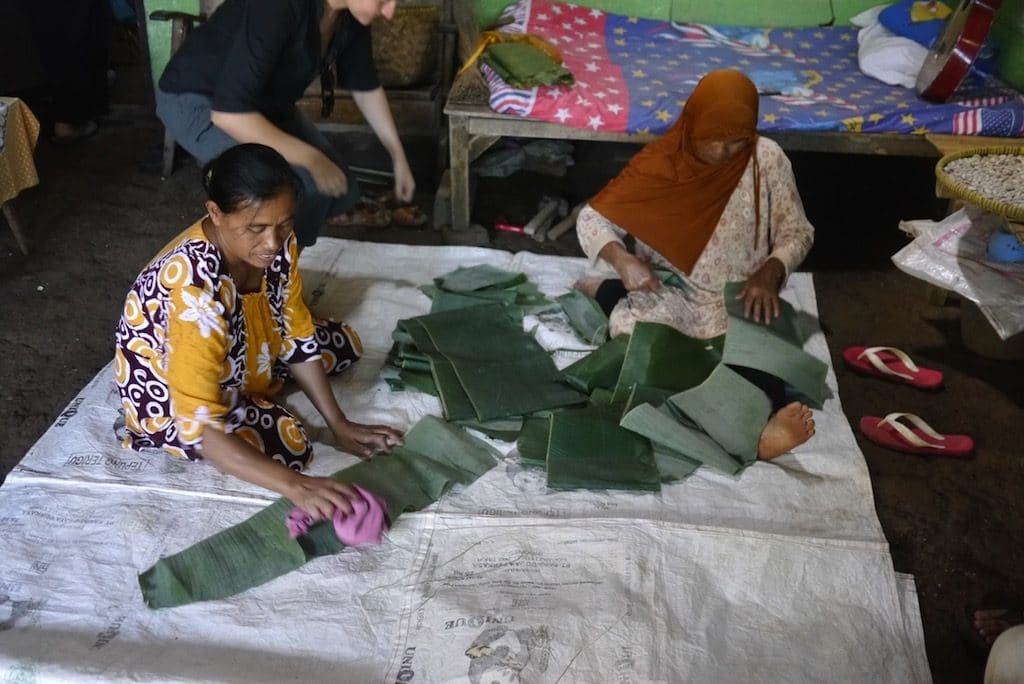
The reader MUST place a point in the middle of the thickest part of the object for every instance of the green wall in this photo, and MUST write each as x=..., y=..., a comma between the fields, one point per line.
x=158, y=33
x=1008, y=34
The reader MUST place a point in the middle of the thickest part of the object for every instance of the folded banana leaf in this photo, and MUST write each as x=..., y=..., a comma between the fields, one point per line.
x=661, y=356
x=454, y=400
x=500, y=369
x=471, y=278
x=730, y=409
x=602, y=397
x=673, y=466
x=435, y=456
x=505, y=429
x=642, y=394
x=524, y=66
x=588, y=450
x=445, y=301
x=599, y=368
x=401, y=380
x=586, y=316
x=532, y=443
x=530, y=300
x=409, y=357
x=661, y=427
x=776, y=349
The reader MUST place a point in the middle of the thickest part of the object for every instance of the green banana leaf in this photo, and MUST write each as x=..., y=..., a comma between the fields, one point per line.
x=523, y=66
x=454, y=400
x=530, y=300
x=586, y=316
x=505, y=429
x=501, y=370
x=588, y=450
x=661, y=427
x=435, y=456
x=599, y=368
x=532, y=443
x=730, y=409
x=643, y=394
x=776, y=349
x=661, y=356
x=472, y=278
x=673, y=466
x=445, y=301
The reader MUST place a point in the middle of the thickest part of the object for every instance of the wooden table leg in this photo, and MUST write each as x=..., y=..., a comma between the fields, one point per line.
x=12, y=221
x=458, y=152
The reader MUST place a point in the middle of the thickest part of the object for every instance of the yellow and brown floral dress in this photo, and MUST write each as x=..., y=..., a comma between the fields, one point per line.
x=192, y=352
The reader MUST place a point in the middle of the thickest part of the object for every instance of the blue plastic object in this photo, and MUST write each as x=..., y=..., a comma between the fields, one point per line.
x=1005, y=248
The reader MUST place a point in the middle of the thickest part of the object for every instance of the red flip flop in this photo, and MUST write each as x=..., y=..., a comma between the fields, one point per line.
x=919, y=439
x=891, y=364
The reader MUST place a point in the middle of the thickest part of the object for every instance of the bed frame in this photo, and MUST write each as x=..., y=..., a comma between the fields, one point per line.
x=473, y=127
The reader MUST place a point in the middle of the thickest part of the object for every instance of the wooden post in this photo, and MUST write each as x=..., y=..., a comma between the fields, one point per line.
x=458, y=150
x=12, y=221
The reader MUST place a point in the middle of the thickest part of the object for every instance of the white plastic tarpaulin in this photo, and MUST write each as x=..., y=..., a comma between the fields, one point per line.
x=781, y=574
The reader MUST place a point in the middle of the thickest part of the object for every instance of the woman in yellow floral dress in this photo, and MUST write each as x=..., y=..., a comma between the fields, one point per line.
x=214, y=325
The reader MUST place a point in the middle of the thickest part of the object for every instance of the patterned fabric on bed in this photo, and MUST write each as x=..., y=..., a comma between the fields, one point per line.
x=634, y=75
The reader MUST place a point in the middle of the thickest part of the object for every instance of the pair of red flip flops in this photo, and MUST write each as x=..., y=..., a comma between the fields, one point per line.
x=918, y=437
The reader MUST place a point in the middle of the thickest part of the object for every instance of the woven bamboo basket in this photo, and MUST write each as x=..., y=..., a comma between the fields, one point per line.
x=405, y=48
x=953, y=188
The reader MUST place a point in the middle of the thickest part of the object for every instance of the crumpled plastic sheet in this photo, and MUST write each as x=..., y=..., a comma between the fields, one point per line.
x=952, y=254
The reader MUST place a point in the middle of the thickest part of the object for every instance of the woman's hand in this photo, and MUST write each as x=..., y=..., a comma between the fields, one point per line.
x=405, y=184
x=320, y=496
x=760, y=294
x=365, y=440
x=329, y=179
x=636, y=274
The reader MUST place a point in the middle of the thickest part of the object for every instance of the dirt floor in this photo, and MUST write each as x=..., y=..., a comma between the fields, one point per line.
x=954, y=524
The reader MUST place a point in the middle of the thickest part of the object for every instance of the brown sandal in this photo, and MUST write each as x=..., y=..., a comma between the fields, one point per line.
x=365, y=213
x=409, y=216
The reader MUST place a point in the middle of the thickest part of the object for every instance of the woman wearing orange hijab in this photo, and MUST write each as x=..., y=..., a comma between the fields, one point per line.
x=714, y=202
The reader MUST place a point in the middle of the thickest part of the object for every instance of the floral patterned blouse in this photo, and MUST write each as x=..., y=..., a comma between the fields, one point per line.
x=730, y=255
x=189, y=345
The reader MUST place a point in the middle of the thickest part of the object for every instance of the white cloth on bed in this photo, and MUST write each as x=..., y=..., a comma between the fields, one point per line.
x=779, y=574
x=883, y=55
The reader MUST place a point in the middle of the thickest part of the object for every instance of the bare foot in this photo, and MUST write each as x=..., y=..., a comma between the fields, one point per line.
x=589, y=285
x=791, y=426
x=991, y=623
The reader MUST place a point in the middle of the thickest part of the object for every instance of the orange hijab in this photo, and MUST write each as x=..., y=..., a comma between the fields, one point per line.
x=668, y=197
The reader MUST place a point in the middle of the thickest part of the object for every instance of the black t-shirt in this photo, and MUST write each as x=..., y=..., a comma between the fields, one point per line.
x=260, y=55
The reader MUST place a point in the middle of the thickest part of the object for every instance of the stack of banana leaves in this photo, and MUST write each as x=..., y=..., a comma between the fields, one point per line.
x=472, y=352
x=637, y=411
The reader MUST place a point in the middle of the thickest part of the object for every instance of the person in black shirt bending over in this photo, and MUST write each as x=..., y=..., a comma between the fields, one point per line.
x=237, y=78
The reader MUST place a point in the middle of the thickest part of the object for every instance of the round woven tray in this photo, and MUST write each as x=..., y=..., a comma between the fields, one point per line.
x=1013, y=212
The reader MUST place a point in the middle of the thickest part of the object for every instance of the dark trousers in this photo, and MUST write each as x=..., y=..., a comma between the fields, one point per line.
x=70, y=51
x=187, y=117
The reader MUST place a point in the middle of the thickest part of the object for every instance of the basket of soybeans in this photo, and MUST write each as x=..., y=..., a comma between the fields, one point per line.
x=989, y=177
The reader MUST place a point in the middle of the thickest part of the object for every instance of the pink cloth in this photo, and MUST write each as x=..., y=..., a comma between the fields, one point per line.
x=365, y=525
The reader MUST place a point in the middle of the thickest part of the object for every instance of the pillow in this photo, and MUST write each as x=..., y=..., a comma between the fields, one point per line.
x=897, y=18
x=885, y=56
